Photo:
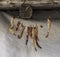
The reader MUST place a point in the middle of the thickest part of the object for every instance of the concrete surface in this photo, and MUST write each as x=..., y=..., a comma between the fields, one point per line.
x=13, y=4
x=11, y=46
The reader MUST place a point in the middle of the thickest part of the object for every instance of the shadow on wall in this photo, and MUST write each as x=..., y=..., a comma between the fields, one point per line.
x=39, y=14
